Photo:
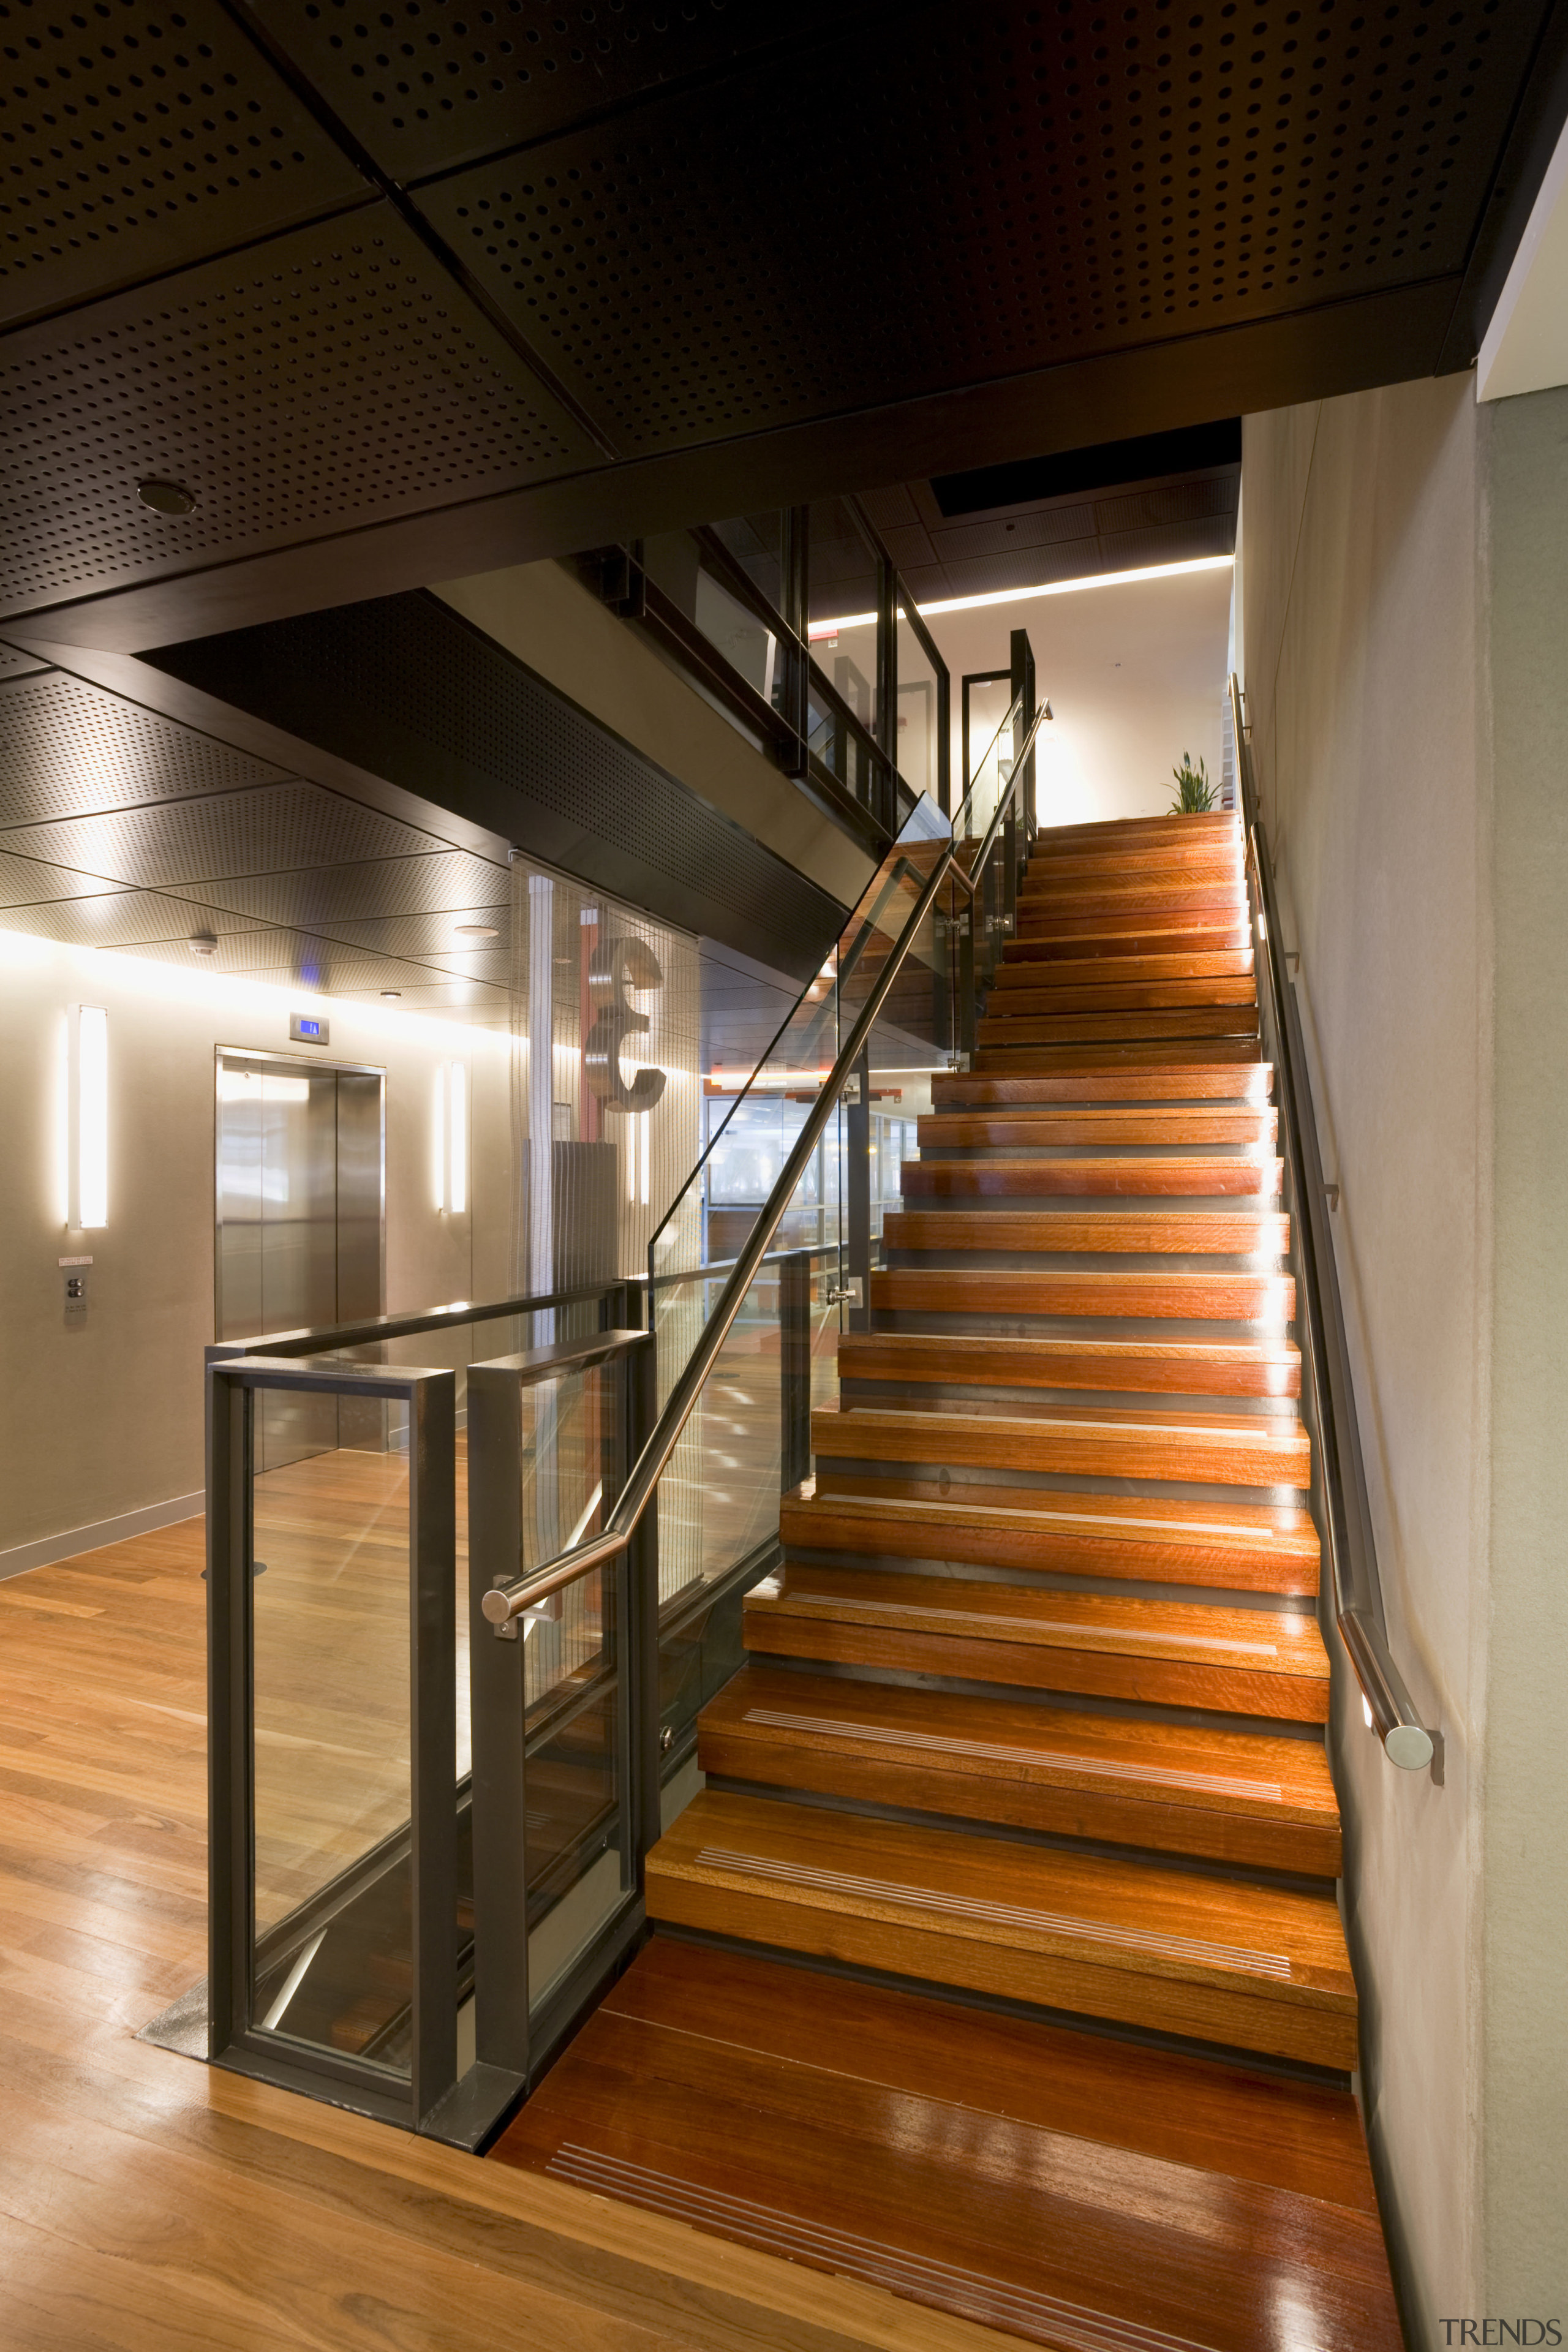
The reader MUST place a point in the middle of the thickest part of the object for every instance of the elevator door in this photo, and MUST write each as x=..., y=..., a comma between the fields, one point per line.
x=299, y=1195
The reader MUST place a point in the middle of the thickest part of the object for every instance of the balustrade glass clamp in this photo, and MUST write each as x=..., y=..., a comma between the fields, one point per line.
x=850, y=1098
x=1332, y=1195
x=848, y=1293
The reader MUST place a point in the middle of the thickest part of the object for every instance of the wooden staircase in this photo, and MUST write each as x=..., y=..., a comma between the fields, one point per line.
x=1032, y=1725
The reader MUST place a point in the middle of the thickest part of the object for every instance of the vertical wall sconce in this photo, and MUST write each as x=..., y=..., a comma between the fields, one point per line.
x=449, y=1168
x=88, y=1118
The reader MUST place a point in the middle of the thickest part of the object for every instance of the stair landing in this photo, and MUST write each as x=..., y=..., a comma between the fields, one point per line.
x=1071, y=2190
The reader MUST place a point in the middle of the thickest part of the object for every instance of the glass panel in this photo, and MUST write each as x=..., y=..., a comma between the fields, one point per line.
x=756, y=542
x=576, y=1829
x=577, y=1832
x=992, y=720
x=329, y=1542
x=843, y=583
x=918, y=713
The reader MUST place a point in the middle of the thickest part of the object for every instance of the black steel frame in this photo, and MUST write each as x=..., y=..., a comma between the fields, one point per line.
x=235, y=2038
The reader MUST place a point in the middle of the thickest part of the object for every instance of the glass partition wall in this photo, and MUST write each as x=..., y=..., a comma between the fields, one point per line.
x=430, y=1828
x=795, y=624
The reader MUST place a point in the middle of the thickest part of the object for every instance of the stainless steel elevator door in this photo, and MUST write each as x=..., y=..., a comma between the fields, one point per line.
x=300, y=1203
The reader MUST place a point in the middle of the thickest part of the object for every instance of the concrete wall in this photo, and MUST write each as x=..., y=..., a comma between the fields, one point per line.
x=1401, y=587
x=105, y=1420
x=1524, y=1933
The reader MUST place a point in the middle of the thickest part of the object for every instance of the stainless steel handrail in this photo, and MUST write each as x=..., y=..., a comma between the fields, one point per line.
x=1347, y=1512
x=509, y=1600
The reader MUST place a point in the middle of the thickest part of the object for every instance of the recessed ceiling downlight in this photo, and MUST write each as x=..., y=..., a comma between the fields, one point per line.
x=391, y=996
x=203, y=943
x=166, y=498
x=476, y=931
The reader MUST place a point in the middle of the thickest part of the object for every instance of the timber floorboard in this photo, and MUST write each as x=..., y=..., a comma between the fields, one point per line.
x=149, y=2203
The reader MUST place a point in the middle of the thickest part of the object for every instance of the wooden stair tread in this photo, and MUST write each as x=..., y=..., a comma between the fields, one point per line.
x=1190, y=1367
x=1256, y=1547
x=1290, y=1945
x=1283, y=1643
x=700, y=2089
x=1258, y=1966
x=1025, y=1290
x=1185, y=1081
x=1108, y=992
x=946, y=1733
x=1193, y=1021
x=1135, y=934
x=1237, y=1175
x=1012, y=1123
x=1150, y=1652
x=1017, y=976
x=1234, y=1174
x=1101, y=1054
x=1136, y=1232
x=1236, y=1449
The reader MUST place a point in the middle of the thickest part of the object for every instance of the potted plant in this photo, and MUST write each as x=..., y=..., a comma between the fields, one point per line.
x=1195, y=794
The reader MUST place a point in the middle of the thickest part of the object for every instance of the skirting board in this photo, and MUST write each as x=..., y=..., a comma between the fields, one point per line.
x=48, y=1548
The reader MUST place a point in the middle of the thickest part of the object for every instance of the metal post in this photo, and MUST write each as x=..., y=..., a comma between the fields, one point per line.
x=969, y=916
x=795, y=567
x=887, y=691
x=432, y=1612
x=230, y=1938
x=499, y=1726
x=637, y=1588
x=1023, y=681
x=794, y=1368
x=858, y=1190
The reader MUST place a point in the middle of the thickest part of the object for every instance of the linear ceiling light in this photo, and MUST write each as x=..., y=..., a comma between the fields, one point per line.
x=1049, y=588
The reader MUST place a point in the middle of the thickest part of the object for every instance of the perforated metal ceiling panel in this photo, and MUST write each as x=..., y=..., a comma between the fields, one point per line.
x=336, y=895
x=135, y=138
x=15, y=664
x=1031, y=186
x=67, y=749
x=262, y=830
x=430, y=83
x=406, y=690
x=331, y=377
x=121, y=920
x=23, y=879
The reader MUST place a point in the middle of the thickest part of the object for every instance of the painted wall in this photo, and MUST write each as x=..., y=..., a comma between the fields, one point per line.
x=1403, y=580
x=105, y=1419
x=1135, y=676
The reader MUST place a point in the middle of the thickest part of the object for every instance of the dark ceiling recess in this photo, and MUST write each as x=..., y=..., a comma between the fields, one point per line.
x=1199, y=448
x=402, y=294
x=406, y=689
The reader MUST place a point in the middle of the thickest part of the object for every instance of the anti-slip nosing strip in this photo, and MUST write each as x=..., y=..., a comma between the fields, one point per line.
x=1195, y=1950
x=1165, y=1776
x=1089, y=1634
x=993, y=2301
x=948, y=1502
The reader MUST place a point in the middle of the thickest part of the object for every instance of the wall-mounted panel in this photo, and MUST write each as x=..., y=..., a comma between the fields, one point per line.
x=138, y=139
x=332, y=377
x=1027, y=189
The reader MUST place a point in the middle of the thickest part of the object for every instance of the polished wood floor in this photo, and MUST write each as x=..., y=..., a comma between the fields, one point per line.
x=149, y=2203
